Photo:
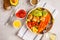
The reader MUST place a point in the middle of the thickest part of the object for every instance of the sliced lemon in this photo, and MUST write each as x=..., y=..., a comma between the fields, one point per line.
x=16, y=23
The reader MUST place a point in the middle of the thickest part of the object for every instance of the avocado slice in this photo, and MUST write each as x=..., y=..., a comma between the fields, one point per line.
x=37, y=13
x=14, y=2
x=45, y=12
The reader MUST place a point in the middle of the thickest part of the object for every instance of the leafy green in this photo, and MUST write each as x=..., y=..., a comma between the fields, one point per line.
x=45, y=12
x=37, y=13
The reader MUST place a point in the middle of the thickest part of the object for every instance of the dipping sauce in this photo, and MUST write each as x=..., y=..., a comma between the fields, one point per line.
x=21, y=13
x=16, y=23
x=34, y=2
x=52, y=37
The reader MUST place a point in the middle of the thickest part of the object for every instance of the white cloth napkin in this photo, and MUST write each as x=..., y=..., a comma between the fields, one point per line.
x=25, y=34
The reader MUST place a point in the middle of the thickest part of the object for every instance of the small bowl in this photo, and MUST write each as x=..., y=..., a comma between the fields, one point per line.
x=32, y=3
x=21, y=19
x=17, y=11
x=17, y=22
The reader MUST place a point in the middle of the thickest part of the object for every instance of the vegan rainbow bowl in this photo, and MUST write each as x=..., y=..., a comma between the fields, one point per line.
x=38, y=19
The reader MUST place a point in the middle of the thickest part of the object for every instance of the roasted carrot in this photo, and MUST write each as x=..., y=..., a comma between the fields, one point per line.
x=44, y=23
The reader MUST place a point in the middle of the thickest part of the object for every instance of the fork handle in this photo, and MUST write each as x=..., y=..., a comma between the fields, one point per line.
x=42, y=37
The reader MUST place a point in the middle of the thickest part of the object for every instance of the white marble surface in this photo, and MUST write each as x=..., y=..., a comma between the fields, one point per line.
x=9, y=33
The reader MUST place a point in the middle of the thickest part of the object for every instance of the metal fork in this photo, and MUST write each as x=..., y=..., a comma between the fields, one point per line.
x=10, y=17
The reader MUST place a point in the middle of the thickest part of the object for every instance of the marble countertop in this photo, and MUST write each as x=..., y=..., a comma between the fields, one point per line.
x=10, y=33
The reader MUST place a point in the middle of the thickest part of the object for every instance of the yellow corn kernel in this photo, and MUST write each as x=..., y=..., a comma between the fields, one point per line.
x=34, y=29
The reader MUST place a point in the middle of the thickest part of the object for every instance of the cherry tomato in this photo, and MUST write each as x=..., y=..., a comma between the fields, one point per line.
x=21, y=13
x=33, y=23
x=29, y=24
